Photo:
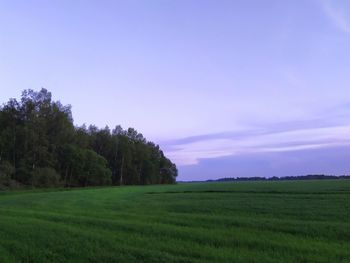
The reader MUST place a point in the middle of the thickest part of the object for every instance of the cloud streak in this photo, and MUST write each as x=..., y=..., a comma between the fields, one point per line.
x=334, y=160
x=208, y=147
x=338, y=12
x=328, y=129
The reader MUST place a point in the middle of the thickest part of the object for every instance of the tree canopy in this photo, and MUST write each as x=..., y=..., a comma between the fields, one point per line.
x=41, y=147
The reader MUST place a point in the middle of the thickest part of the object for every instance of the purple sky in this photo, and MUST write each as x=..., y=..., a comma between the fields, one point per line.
x=227, y=88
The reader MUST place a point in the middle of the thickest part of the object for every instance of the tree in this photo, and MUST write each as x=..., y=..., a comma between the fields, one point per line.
x=45, y=177
x=96, y=171
x=41, y=147
x=6, y=173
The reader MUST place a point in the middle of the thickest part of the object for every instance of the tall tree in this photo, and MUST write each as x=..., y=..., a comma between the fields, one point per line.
x=40, y=146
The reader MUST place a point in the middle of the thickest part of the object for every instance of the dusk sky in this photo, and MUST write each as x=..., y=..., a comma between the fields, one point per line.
x=227, y=88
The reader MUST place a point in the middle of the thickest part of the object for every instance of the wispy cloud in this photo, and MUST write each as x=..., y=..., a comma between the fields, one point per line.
x=190, y=153
x=329, y=128
x=322, y=160
x=339, y=12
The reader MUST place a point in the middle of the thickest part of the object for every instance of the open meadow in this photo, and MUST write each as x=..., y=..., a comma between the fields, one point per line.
x=294, y=221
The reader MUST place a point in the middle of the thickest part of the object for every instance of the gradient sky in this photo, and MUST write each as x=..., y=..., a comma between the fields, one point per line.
x=227, y=88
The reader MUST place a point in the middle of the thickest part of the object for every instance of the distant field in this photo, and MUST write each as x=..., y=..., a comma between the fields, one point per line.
x=299, y=221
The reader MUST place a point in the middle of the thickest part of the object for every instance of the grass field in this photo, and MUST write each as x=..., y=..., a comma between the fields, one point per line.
x=301, y=221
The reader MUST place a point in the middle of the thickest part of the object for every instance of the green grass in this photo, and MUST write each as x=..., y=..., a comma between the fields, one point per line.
x=301, y=221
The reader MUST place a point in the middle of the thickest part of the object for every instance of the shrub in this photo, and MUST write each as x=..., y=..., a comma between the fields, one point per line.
x=45, y=177
x=6, y=172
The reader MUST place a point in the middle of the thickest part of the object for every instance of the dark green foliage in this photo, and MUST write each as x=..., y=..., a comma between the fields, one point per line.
x=95, y=170
x=6, y=173
x=45, y=177
x=257, y=222
x=37, y=136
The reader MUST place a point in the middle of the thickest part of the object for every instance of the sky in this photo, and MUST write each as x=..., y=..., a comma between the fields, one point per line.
x=226, y=88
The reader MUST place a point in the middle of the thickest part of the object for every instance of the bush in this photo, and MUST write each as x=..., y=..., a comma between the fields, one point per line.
x=6, y=173
x=45, y=177
x=96, y=171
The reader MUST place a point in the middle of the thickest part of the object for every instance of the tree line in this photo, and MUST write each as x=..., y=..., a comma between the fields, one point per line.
x=41, y=147
x=284, y=178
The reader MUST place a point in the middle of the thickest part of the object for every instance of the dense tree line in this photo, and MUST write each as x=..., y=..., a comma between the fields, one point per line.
x=41, y=147
x=284, y=178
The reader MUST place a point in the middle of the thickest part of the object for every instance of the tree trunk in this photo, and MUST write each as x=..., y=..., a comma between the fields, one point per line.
x=14, y=148
x=121, y=172
x=70, y=178
x=65, y=177
x=115, y=163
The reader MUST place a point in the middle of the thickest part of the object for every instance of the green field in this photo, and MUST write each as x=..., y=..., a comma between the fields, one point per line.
x=301, y=221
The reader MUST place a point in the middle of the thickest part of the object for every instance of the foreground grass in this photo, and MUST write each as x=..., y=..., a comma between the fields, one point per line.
x=302, y=221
